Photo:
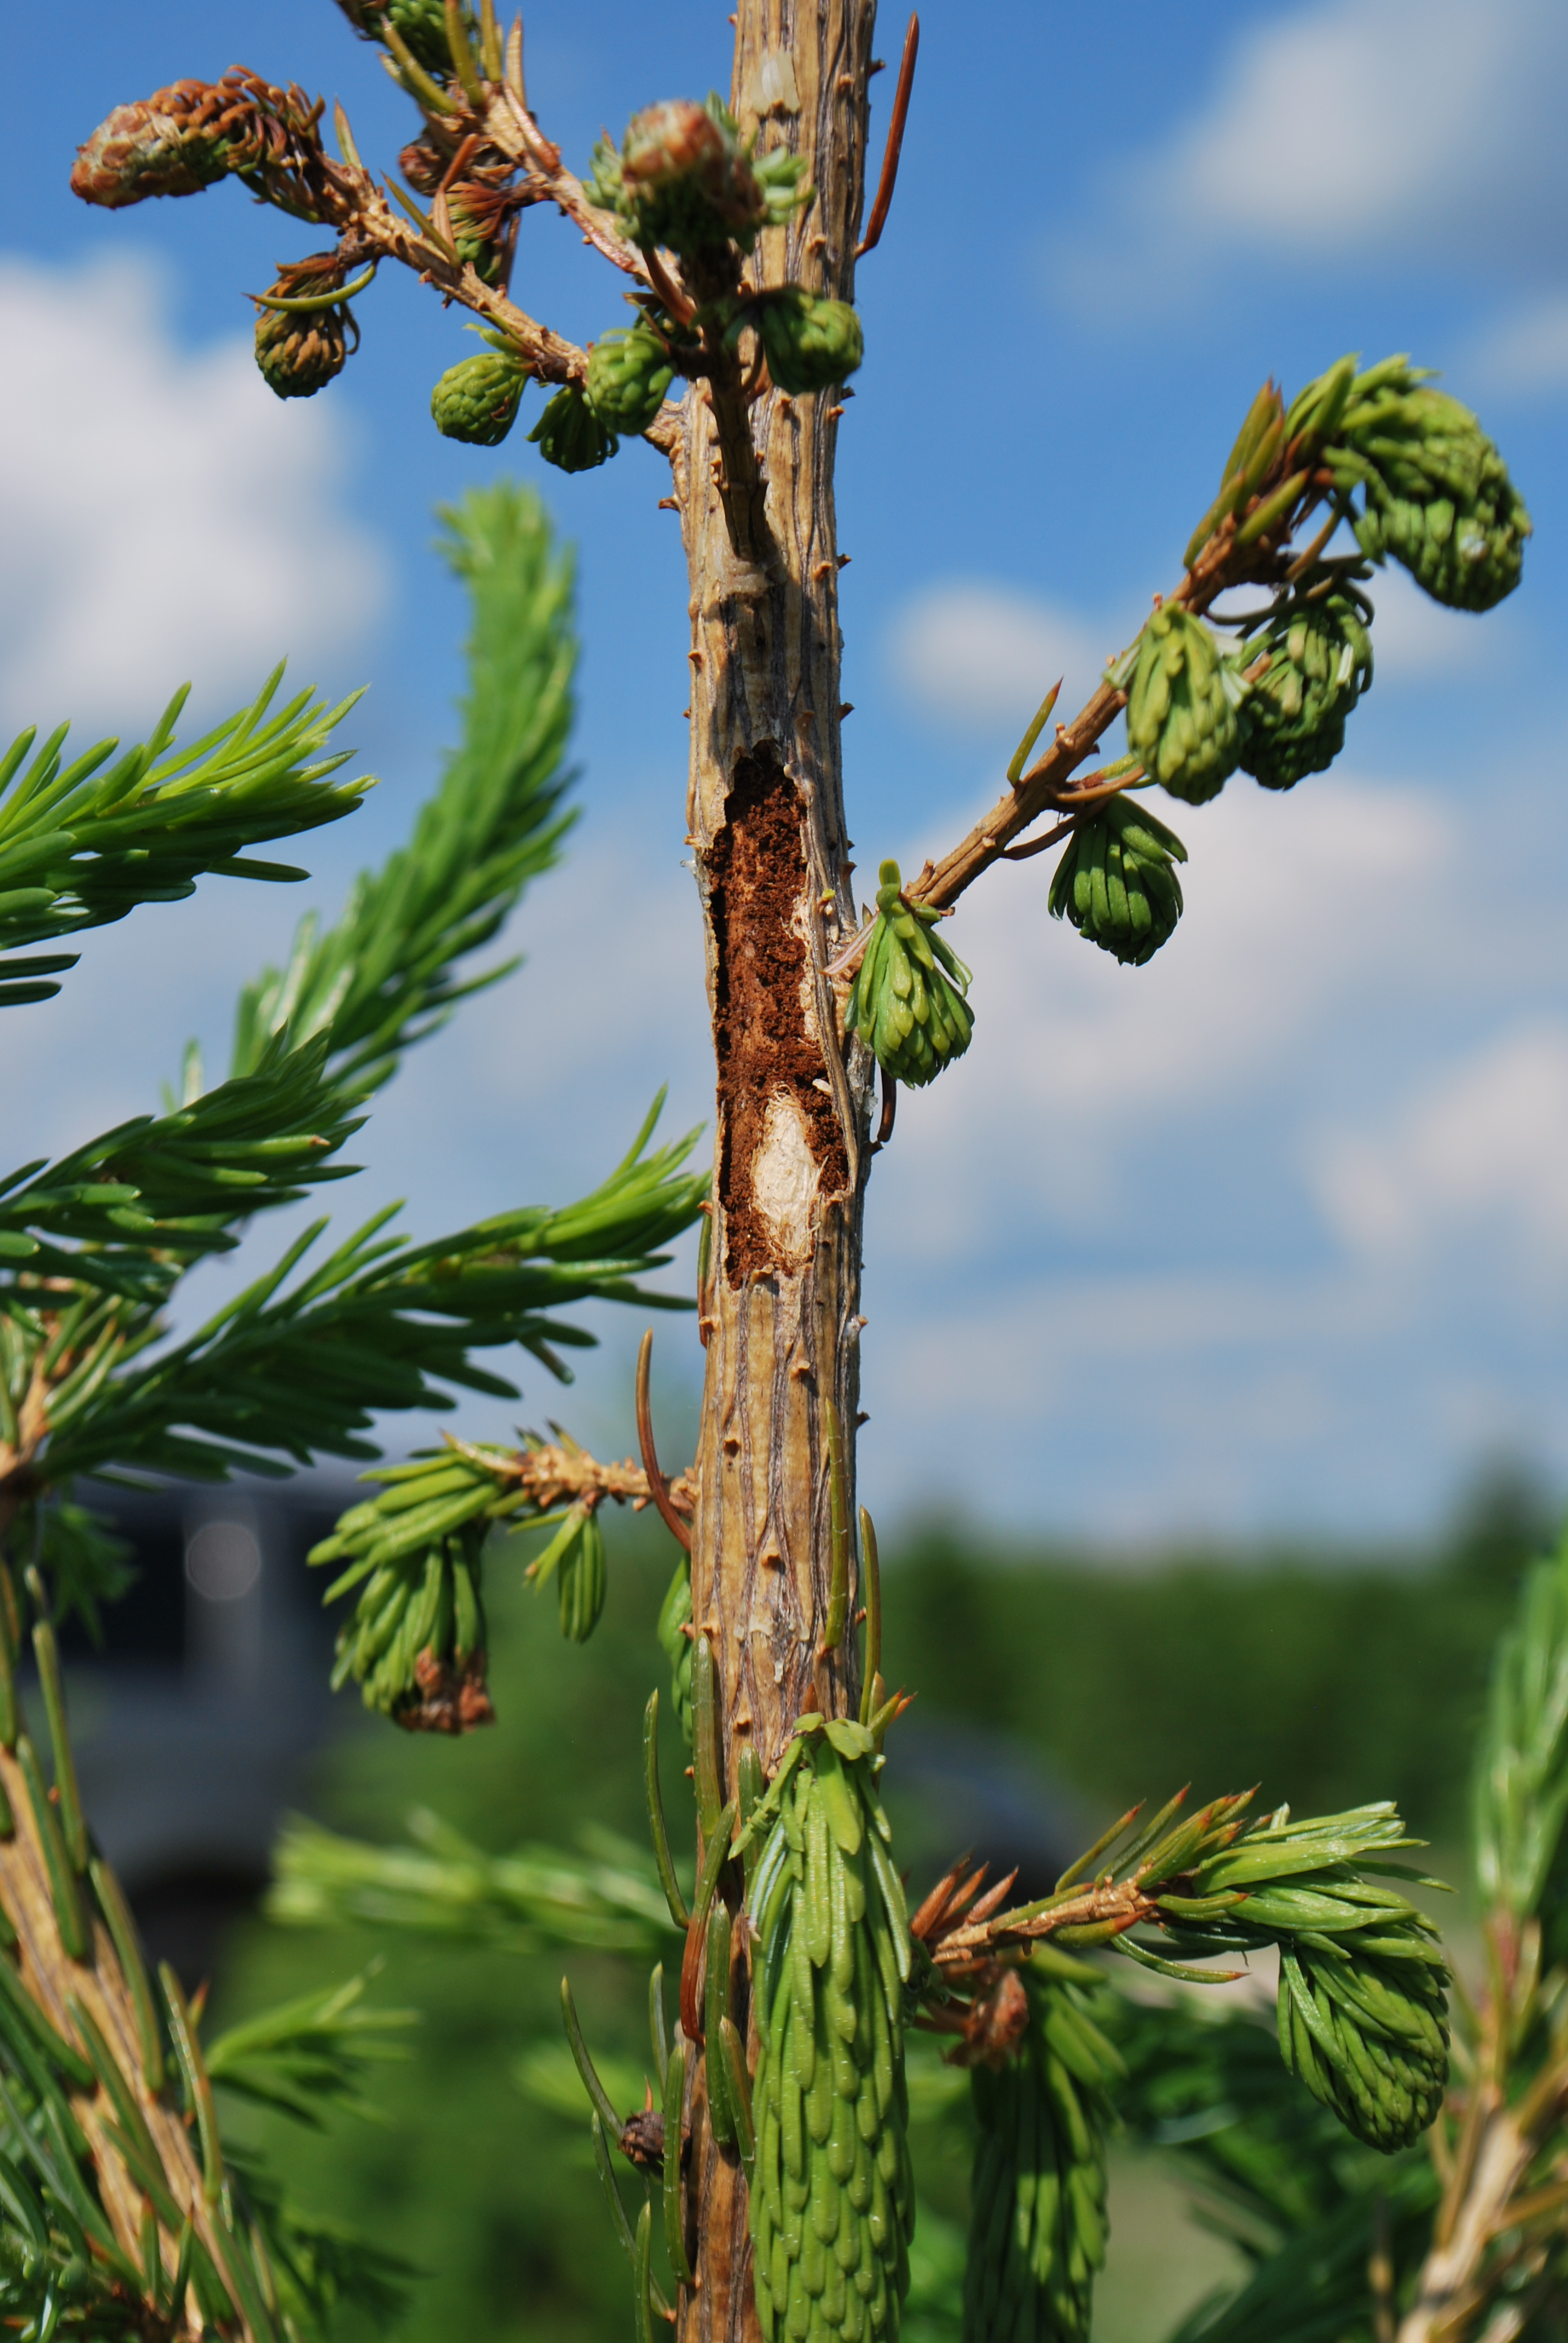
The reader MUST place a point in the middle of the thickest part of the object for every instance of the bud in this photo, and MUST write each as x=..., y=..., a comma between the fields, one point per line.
x=906, y=1003
x=183, y=138
x=480, y=216
x=569, y=435
x=602, y=182
x=686, y=181
x=1320, y=663
x=414, y=1642
x=831, y=2201
x=1182, y=702
x=423, y=165
x=174, y=143
x=1038, y=2221
x=629, y=373
x=810, y=344
x=446, y=1697
x=1436, y=493
x=299, y=352
x=1368, y=2034
x=1116, y=882
x=1467, y=553
x=420, y=25
x=476, y=400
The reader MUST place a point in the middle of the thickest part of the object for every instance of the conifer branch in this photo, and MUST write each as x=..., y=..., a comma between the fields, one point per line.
x=83, y=843
x=377, y=1325
x=385, y=975
x=608, y=1899
x=1435, y=493
x=188, y=136
x=132, y=1209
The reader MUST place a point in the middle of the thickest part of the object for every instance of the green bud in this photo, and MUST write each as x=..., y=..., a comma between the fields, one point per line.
x=1116, y=882
x=811, y=344
x=1181, y=702
x=602, y=180
x=686, y=180
x=1320, y=663
x=569, y=435
x=782, y=177
x=299, y=352
x=1037, y=2220
x=906, y=1003
x=1368, y=2037
x=831, y=2200
x=480, y=216
x=420, y=25
x=629, y=373
x=1466, y=552
x=1435, y=492
x=476, y=400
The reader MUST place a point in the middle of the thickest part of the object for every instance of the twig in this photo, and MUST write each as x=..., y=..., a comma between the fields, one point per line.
x=455, y=167
x=657, y=1486
x=854, y=951
x=1221, y=566
x=1303, y=561
x=1082, y=800
x=1038, y=845
x=894, y=147
x=368, y=226
x=889, y=1109
x=681, y=309
x=1379, y=2276
x=552, y=1473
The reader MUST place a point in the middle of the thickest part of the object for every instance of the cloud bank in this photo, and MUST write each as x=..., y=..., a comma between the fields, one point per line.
x=164, y=516
x=1342, y=136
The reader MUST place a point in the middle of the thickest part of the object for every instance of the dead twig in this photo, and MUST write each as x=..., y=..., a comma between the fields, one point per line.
x=659, y=1488
x=894, y=147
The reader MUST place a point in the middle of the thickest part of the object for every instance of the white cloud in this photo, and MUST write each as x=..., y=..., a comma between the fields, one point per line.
x=164, y=516
x=1482, y=1148
x=1346, y=131
x=1525, y=352
x=1415, y=638
x=1356, y=117
x=977, y=650
x=1292, y=906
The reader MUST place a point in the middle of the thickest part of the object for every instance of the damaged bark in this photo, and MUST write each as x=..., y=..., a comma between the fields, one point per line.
x=766, y=818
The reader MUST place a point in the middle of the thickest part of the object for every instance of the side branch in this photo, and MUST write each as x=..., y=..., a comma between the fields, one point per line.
x=554, y=1474
x=1043, y=787
x=370, y=229
x=1227, y=558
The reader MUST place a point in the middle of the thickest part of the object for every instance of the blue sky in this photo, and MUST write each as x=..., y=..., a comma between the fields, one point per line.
x=1272, y=1234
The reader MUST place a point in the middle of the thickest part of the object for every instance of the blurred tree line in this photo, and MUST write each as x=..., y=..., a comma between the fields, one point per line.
x=1339, y=1675
x=1318, y=1672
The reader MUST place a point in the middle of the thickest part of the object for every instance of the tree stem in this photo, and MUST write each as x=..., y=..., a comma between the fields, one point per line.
x=765, y=816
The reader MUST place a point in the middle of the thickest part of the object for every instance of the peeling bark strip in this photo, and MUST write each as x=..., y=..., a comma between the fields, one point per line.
x=779, y=1143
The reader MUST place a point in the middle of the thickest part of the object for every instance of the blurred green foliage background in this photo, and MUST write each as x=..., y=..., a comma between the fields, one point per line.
x=1329, y=1678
